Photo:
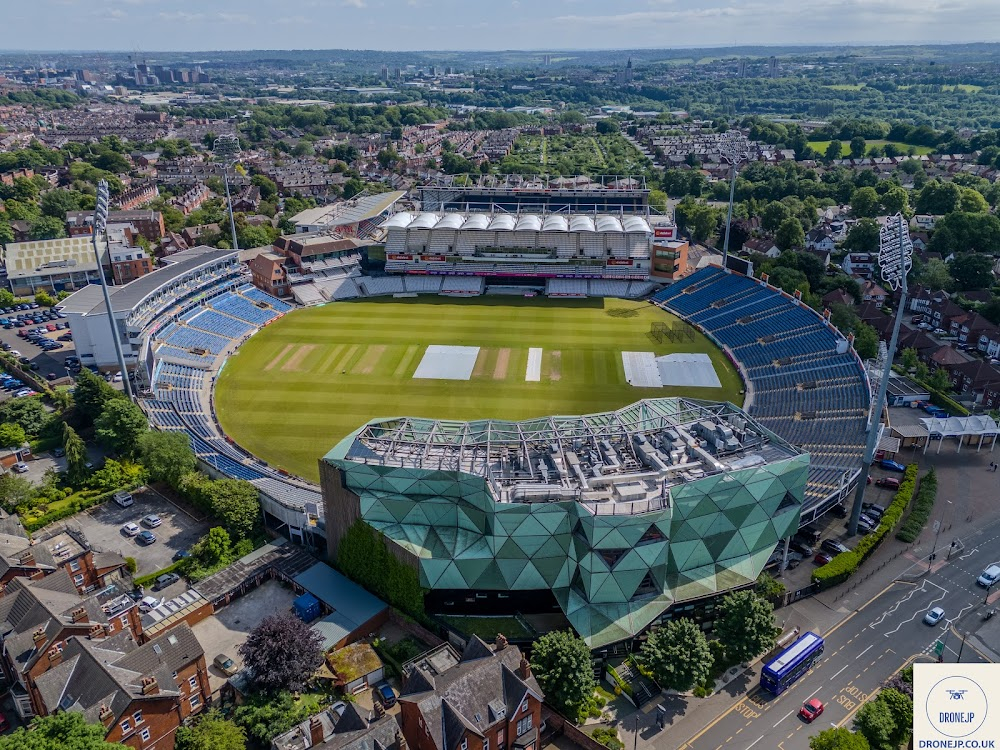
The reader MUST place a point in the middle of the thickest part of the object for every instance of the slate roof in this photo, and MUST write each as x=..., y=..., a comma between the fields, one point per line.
x=468, y=696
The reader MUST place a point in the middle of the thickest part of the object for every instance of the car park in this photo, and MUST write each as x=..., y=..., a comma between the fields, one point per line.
x=808, y=534
x=873, y=511
x=123, y=500
x=801, y=547
x=890, y=483
x=989, y=576
x=934, y=616
x=152, y=520
x=148, y=603
x=811, y=709
x=131, y=529
x=822, y=558
x=146, y=537
x=165, y=580
x=832, y=545
x=892, y=465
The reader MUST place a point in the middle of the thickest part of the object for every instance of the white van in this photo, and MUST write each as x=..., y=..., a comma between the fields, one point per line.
x=124, y=499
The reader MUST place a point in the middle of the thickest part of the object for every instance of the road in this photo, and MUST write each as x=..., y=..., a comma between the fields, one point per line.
x=862, y=651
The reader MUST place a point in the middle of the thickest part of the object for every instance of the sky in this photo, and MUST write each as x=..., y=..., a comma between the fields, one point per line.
x=126, y=25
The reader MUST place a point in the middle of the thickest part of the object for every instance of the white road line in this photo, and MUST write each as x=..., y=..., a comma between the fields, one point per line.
x=841, y=670
x=865, y=651
x=784, y=717
x=755, y=742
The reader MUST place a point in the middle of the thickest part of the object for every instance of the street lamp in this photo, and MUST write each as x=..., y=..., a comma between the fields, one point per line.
x=895, y=258
x=227, y=152
x=735, y=149
x=101, y=227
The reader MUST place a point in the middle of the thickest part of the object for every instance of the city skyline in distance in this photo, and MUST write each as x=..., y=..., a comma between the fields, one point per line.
x=426, y=25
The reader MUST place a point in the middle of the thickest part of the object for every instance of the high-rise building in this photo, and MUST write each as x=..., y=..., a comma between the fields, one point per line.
x=772, y=67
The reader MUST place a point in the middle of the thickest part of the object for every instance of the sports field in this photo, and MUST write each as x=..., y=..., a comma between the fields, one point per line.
x=301, y=384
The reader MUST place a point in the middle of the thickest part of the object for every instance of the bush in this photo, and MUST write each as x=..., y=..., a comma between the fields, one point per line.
x=177, y=567
x=844, y=565
x=620, y=684
x=38, y=522
x=922, y=508
x=130, y=565
x=608, y=737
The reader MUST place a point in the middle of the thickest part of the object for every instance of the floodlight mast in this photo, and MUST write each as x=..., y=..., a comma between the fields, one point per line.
x=735, y=149
x=101, y=227
x=895, y=258
x=227, y=151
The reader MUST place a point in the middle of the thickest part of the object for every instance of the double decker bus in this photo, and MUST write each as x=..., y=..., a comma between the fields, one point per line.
x=793, y=662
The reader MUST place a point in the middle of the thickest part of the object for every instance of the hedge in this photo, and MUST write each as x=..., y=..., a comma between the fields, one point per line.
x=34, y=524
x=922, y=508
x=148, y=579
x=844, y=565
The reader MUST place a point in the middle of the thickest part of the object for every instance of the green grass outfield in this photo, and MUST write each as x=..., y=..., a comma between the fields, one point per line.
x=304, y=382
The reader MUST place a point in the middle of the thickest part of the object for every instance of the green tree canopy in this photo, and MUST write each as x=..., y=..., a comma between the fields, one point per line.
x=678, y=655
x=896, y=200
x=745, y=625
x=281, y=653
x=838, y=738
x=900, y=707
x=120, y=426
x=213, y=548
x=971, y=271
x=773, y=214
x=11, y=435
x=561, y=663
x=936, y=276
x=92, y=393
x=790, y=235
x=865, y=202
x=866, y=341
x=60, y=731
x=76, y=454
x=47, y=228
x=167, y=456
x=862, y=237
x=966, y=233
x=236, y=503
x=14, y=491
x=29, y=413
x=875, y=722
x=212, y=732
x=834, y=151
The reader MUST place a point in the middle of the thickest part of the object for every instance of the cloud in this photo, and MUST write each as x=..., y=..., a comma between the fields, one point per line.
x=355, y=3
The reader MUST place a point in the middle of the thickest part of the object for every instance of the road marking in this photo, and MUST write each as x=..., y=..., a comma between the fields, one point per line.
x=755, y=742
x=784, y=717
x=865, y=651
x=841, y=670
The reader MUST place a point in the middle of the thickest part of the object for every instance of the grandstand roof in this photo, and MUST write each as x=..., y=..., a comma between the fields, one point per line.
x=631, y=455
x=352, y=211
x=505, y=222
x=90, y=301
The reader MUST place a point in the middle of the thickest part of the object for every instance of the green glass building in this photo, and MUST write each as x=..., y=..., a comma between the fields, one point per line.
x=619, y=515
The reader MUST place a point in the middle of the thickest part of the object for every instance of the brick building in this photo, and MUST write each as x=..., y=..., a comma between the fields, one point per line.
x=268, y=273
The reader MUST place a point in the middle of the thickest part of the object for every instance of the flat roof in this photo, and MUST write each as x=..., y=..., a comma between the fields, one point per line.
x=353, y=603
x=352, y=211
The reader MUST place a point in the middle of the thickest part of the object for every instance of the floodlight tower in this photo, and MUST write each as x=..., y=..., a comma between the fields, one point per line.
x=227, y=152
x=735, y=149
x=895, y=258
x=101, y=227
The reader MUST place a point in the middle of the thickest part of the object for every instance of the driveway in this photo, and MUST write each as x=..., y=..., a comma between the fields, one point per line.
x=102, y=526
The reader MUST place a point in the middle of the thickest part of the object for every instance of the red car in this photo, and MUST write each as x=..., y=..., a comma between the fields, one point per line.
x=811, y=709
x=822, y=558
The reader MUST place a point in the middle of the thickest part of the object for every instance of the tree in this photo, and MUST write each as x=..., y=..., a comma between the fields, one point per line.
x=938, y=198
x=858, y=147
x=265, y=717
x=834, y=151
x=250, y=236
x=167, y=456
x=56, y=203
x=972, y=202
x=29, y=413
x=6, y=235
x=790, y=234
x=991, y=310
x=67, y=730
x=939, y=381
x=874, y=721
x=960, y=232
x=213, y=548
x=900, y=707
x=120, y=426
x=896, y=200
x=866, y=341
x=212, y=732
x=281, y=653
x=862, y=237
x=935, y=275
x=268, y=187
x=607, y=126
x=678, y=655
x=561, y=663
x=773, y=215
x=909, y=357
x=838, y=738
x=116, y=474
x=47, y=228
x=92, y=393
x=658, y=200
x=608, y=736
x=865, y=202
x=971, y=271
x=746, y=625
x=236, y=503
x=14, y=491
x=11, y=435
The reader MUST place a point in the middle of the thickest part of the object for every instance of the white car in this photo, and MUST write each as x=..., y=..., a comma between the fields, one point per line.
x=117, y=378
x=149, y=602
x=152, y=520
x=989, y=576
x=131, y=529
x=14, y=352
x=934, y=616
x=20, y=467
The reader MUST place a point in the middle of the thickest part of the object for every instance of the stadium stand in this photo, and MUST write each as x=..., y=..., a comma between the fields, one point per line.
x=566, y=288
x=807, y=385
x=376, y=286
x=462, y=286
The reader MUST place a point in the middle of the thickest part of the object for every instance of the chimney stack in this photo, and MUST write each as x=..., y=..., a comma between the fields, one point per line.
x=55, y=657
x=379, y=710
x=400, y=740
x=315, y=731
x=39, y=638
x=501, y=642
x=106, y=716
x=149, y=686
x=96, y=631
x=525, y=669
x=79, y=615
x=26, y=558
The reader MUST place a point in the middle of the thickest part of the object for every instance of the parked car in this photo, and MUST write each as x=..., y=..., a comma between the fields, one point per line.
x=892, y=465
x=832, y=545
x=802, y=548
x=123, y=499
x=131, y=529
x=149, y=602
x=152, y=520
x=20, y=467
x=225, y=664
x=180, y=555
x=385, y=694
x=822, y=558
x=890, y=483
x=811, y=709
x=167, y=579
x=808, y=534
x=933, y=617
x=146, y=537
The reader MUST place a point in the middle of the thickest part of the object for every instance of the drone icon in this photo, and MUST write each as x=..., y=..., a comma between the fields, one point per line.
x=957, y=695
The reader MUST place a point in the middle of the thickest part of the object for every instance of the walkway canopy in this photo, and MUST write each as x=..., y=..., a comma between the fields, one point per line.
x=981, y=426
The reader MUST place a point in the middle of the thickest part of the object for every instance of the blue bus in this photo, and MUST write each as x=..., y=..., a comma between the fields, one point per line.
x=793, y=662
